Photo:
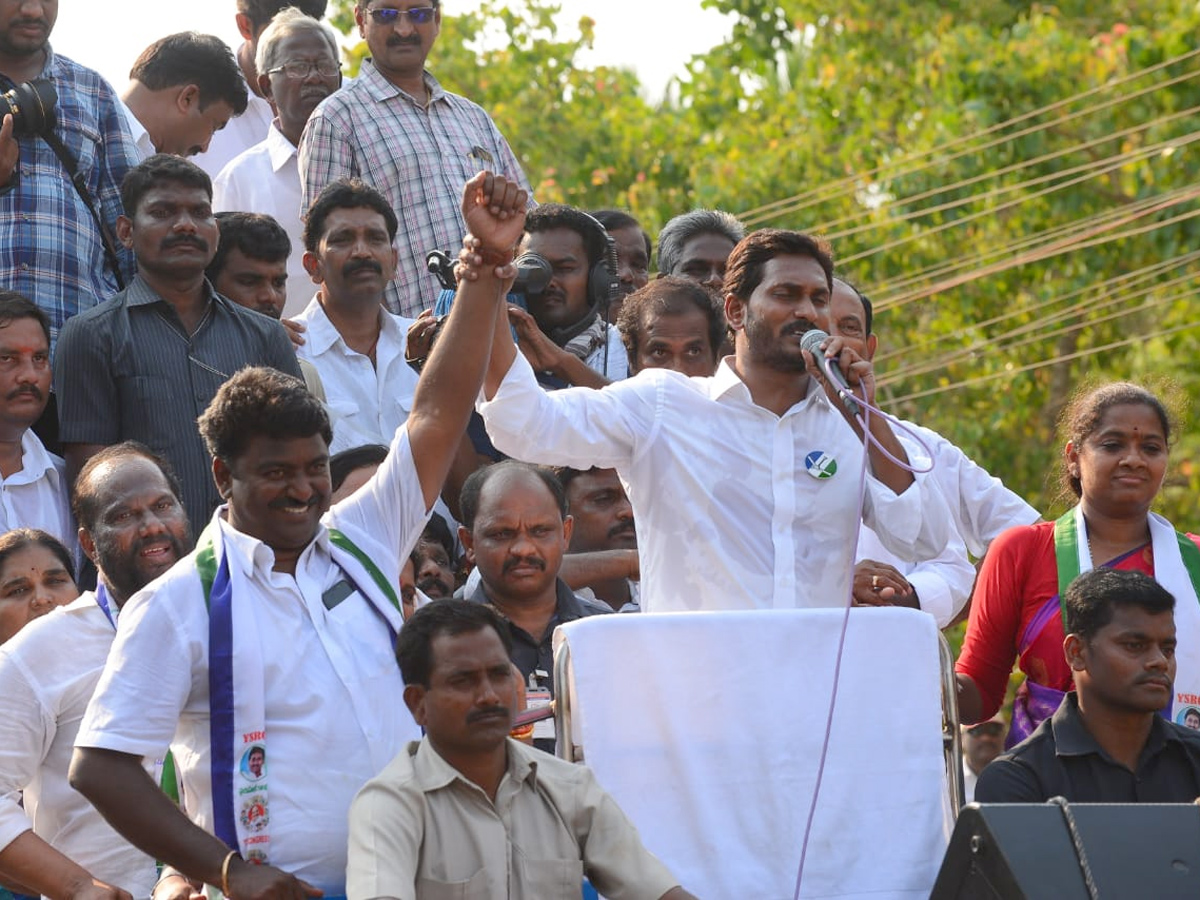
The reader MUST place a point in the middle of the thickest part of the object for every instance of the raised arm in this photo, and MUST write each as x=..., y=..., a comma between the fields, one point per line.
x=494, y=210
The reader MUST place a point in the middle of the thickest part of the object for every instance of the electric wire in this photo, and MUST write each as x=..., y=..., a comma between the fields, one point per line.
x=1087, y=305
x=852, y=183
x=1040, y=364
x=1125, y=279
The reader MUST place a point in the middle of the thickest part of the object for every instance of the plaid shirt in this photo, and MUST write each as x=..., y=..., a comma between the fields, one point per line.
x=418, y=158
x=50, y=248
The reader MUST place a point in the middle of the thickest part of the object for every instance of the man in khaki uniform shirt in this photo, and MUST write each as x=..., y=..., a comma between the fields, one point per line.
x=471, y=810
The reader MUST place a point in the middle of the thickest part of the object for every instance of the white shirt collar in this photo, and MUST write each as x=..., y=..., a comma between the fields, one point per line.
x=726, y=381
x=322, y=334
x=279, y=148
x=36, y=462
x=252, y=556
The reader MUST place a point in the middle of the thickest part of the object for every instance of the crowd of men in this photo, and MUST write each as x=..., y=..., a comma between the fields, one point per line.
x=224, y=391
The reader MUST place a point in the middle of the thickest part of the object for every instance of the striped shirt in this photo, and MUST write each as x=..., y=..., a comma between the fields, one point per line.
x=128, y=370
x=50, y=248
x=417, y=157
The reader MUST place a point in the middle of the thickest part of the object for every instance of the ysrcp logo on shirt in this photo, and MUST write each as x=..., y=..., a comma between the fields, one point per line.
x=820, y=464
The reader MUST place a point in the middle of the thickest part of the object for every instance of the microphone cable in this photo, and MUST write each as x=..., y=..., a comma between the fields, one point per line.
x=863, y=416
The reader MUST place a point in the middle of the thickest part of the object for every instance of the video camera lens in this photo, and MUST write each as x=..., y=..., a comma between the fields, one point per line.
x=32, y=107
x=533, y=274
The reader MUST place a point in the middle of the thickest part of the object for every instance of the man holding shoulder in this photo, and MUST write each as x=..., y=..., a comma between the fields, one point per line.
x=276, y=635
x=1107, y=743
x=468, y=807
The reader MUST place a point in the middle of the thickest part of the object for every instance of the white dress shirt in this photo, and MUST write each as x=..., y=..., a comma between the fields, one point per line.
x=239, y=135
x=728, y=514
x=980, y=508
x=37, y=496
x=266, y=179
x=47, y=675
x=366, y=402
x=141, y=137
x=333, y=692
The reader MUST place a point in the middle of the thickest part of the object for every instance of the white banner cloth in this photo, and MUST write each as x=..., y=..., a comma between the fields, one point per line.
x=707, y=728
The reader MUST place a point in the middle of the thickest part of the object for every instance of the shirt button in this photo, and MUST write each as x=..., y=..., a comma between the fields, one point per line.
x=24, y=266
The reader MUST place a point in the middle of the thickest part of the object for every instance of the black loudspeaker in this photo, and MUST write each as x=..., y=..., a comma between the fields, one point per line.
x=1025, y=852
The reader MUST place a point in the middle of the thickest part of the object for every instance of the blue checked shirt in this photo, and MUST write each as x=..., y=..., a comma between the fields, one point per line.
x=50, y=248
x=418, y=158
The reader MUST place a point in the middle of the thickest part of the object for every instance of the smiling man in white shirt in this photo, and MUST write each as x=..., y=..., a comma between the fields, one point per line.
x=275, y=638
x=745, y=486
x=133, y=526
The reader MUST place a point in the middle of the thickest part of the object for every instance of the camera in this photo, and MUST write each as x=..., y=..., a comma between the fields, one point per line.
x=31, y=106
x=533, y=275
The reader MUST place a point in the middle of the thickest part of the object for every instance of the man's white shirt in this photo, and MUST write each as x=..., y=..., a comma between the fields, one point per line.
x=980, y=508
x=141, y=137
x=266, y=179
x=333, y=692
x=37, y=496
x=48, y=673
x=736, y=508
x=366, y=402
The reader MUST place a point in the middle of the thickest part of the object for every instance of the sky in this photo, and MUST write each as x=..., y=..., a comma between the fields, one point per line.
x=654, y=37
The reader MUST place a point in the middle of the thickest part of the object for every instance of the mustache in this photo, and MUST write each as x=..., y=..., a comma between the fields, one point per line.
x=30, y=23
x=510, y=564
x=356, y=264
x=185, y=240
x=622, y=528
x=433, y=587
x=488, y=713
x=800, y=327
x=30, y=389
x=142, y=543
x=396, y=40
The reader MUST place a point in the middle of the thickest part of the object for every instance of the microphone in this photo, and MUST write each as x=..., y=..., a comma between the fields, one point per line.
x=811, y=341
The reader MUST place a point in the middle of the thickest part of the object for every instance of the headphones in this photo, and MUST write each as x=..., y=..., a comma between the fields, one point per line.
x=604, y=285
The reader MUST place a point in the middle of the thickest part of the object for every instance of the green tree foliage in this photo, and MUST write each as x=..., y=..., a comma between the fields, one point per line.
x=1009, y=262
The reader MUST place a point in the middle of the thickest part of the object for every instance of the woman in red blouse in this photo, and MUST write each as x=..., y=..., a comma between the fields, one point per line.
x=1115, y=460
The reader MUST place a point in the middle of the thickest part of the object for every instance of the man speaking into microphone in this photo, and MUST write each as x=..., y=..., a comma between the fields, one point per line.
x=745, y=485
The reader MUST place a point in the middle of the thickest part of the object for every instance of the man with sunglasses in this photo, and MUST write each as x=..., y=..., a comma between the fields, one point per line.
x=400, y=132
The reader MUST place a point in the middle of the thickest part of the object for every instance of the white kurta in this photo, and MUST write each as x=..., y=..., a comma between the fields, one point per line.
x=730, y=512
x=333, y=692
x=48, y=673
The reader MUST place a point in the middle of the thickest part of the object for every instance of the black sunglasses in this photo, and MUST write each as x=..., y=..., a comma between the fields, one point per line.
x=418, y=15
